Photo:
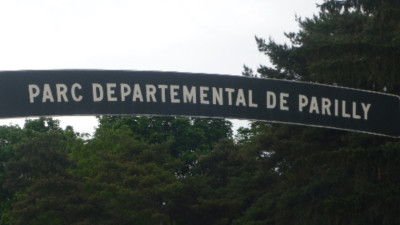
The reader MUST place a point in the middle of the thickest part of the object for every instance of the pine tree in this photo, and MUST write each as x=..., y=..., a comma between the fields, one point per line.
x=350, y=43
x=327, y=176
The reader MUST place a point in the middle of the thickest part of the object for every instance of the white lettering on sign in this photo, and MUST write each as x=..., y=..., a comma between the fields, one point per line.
x=97, y=91
x=59, y=93
x=343, y=108
x=173, y=93
x=111, y=92
x=189, y=96
x=34, y=91
x=125, y=91
x=271, y=100
x=218, y=97
x=326, y=106
x=251, y=103
x=283, y=101
x=203, y=95
x=75, y=97
x=137, y=93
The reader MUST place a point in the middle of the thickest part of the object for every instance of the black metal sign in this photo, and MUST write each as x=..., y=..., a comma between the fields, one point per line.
x=98, y=92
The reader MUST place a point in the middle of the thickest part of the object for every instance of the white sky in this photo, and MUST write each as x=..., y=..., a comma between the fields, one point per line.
x=205, y=36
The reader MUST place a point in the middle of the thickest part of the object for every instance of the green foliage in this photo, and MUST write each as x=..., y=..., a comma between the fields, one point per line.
x=350, y=43
x=344, y=185
x=43, y=190
x=10, y=136
x=139, y=167
x=187, y=138
x=37, y=185
x=325, y=176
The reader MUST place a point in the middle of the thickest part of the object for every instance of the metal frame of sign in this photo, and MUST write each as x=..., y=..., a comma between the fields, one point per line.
x=116, y=92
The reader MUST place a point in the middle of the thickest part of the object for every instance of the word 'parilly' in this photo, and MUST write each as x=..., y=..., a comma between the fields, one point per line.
x=326, y=106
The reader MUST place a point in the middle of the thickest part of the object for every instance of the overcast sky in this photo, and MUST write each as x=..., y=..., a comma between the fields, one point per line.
x=204, y=36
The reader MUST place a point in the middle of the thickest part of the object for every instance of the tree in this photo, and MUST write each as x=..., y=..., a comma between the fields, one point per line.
x=10, y=136
x=326, y=176
x=142, y=168
x=188, y=137
x=41, y=189
x=128, y=176
x=350, y=43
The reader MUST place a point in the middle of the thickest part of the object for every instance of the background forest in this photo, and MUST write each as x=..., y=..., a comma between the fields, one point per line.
x=178, y=171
